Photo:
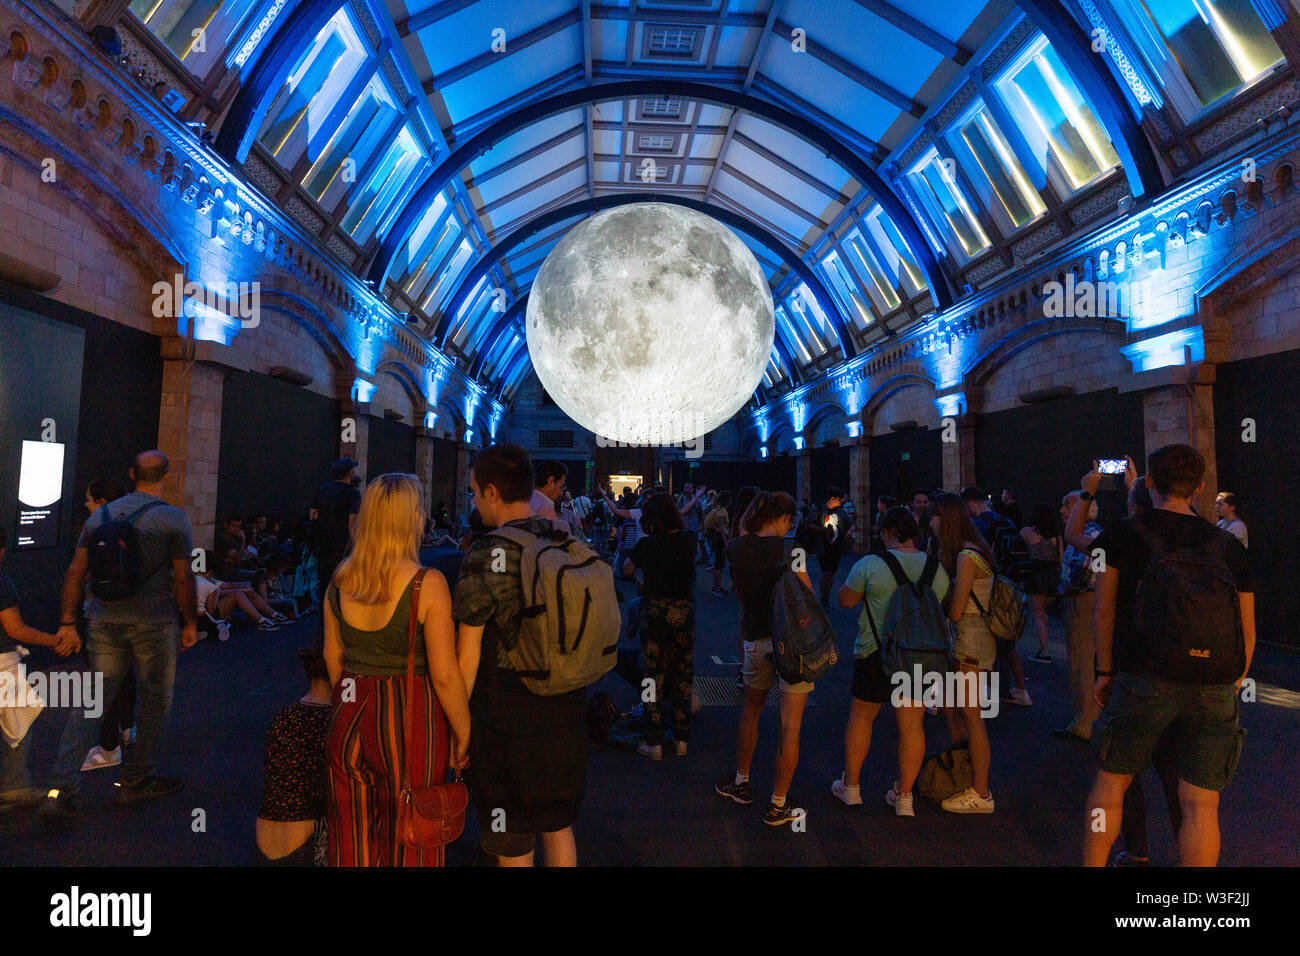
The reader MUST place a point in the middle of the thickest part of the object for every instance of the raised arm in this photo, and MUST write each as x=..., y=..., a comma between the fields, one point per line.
x=444, y=670
x=1078, y=518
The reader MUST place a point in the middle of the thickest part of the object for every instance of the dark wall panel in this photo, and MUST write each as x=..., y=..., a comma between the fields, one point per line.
x=1265, y=473
x=442, y=481
x=776, y=474
x=903, y=463
x=1040, y=451
x=830, y=466
x=392, y=448
x=277, y=443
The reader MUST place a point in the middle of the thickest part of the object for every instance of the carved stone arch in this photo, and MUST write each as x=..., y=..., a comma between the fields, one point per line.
x=317, y=324
x=774, y=436
x=409, y=381
x=981, y=368
x=819, y=415
x=886, y=390
x=1265, y=263
x=450, y=412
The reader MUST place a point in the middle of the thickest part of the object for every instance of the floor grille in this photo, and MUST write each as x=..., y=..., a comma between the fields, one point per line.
x=716, y=691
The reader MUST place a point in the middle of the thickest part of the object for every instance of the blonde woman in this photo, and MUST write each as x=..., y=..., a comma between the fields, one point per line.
x=367, y=613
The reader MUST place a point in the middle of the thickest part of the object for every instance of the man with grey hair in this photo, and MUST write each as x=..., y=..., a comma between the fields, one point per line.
x=142, y=622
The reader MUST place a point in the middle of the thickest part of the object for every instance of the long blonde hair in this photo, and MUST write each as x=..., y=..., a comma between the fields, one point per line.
x=388, y=533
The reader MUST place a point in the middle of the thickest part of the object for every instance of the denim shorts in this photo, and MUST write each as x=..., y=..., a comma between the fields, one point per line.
x=1201, y=717
x=973, y=644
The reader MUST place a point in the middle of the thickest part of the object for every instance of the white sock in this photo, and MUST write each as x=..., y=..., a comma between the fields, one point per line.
x=778, y=801
x=741, y=778
x=847, y=788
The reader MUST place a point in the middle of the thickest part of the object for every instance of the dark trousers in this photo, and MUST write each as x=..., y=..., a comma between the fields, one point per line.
x=668, y=648
x=120, y=714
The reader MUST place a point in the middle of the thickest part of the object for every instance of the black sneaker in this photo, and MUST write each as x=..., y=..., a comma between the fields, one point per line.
x=148, y=789
x=57, y=807
x=775, y=816
x=742, y=793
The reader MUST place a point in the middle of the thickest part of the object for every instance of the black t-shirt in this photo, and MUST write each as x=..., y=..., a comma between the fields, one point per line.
x=222, y=562
x=1126, y=553
x=334, y=502
x=756, y=566
x=668, y=563
x=8, y=599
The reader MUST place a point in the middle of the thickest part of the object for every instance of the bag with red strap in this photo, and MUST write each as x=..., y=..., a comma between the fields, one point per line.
x=431, y=815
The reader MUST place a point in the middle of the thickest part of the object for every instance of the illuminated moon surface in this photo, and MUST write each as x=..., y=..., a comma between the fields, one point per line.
x=650, y=324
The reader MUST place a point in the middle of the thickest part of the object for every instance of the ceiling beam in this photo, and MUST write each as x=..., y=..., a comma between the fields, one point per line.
x=431, y=15
x=917, y=30
x=867, y=81
x=513, y=45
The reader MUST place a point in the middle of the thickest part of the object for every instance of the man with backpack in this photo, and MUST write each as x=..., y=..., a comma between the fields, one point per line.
x=835, y=525
x=1011, y=554
x=334, y=513
x=136, y=553
x=538, y=623
x=1174, y=617
x=901, y=589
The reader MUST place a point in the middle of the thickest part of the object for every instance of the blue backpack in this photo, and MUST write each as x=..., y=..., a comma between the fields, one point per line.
x=803, y=640
x=915, y=630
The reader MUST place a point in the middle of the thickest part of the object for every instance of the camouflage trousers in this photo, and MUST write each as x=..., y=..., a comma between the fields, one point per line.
x=667, y=657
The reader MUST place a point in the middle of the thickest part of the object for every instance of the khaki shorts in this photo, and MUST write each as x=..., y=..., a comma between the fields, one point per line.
x=759, y=670
x=974, y=644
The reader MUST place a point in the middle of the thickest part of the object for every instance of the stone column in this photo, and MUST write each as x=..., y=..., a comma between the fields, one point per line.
x=189, y=431
x=957, y=437
x=860, y=489
x=1184, y=414
x=463, y=455
x=424, y=464
x=803, y=476
x=354, y=434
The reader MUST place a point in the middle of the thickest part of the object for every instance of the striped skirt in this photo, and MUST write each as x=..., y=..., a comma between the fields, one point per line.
x=364, y=760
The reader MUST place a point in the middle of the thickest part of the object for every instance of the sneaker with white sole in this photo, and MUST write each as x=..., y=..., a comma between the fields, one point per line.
x=1020, y=696
x=654, y=752
x=901, y=802
x=99, y=758
x=968, y=801
x=266, y=624
x=852, y=798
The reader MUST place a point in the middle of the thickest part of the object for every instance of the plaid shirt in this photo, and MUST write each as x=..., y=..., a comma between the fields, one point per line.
x=492, y=597
x=1075, y=559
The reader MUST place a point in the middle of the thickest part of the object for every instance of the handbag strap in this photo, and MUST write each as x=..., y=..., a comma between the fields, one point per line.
x=408, y=708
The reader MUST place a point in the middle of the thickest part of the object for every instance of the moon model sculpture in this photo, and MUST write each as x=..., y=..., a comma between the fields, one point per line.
x=650, y=324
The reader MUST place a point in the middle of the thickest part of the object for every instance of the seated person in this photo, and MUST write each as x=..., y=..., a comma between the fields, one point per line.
x=291, y=821
x=220, y=599
x=276, y=591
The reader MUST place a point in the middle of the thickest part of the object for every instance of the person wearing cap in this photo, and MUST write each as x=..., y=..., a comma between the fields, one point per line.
x=334, y=513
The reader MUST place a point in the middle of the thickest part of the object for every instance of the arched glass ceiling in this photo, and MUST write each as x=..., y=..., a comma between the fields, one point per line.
x=386, y=91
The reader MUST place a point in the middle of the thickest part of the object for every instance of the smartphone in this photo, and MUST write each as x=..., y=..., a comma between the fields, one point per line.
x=1111, y=466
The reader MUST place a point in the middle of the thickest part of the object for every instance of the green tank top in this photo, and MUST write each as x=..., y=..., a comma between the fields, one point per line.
x=380, y=653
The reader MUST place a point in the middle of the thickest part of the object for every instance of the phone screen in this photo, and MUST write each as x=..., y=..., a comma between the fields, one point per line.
x=1111, y=466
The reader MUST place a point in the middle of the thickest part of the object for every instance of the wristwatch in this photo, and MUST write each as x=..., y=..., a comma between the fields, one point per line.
x=1085, y=495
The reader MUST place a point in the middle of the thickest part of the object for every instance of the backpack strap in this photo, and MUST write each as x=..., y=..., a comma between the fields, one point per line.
x=900, y=576
x=141, y=510
x=514, y=535
x=931, y=569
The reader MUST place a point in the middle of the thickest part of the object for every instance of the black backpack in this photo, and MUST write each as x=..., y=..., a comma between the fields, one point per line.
x=1010, y=552
x=811, y=533
x=1187, y=617
x=115, y=560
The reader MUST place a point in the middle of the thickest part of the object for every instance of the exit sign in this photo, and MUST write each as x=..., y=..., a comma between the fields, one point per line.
x=905, y=456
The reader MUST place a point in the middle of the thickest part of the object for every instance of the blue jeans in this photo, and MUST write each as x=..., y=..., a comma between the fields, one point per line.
x=112, y=648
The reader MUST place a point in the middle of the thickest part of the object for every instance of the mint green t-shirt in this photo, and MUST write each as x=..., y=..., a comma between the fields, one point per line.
x=871, y=577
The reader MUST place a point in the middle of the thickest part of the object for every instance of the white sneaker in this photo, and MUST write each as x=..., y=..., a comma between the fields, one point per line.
x=1021, y=697
x=968, y=801
x=99, y=758
x=680, y=747
x=852, y=798
x=901, y=802
x=654, y=753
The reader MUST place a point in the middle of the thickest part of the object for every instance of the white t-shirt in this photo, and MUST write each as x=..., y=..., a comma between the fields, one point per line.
x=544, y=507
x=203, y=587
x=581, y=506
x=1237, y=527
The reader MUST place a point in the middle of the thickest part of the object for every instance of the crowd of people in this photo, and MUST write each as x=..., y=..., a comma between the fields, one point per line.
x=416, y=674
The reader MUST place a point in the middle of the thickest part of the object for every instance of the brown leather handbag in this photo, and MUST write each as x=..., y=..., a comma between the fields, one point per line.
x=427, y=816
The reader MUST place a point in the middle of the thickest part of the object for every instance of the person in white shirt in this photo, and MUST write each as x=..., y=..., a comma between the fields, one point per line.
x=1228, y=507
x=549, y=478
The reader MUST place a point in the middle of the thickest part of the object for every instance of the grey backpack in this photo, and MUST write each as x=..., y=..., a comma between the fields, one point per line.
x=568, y=635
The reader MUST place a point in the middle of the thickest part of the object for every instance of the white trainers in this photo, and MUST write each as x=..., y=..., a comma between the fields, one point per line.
x=852, y=798
x=901, y=802
x=99, y=758
x=680, y=747
x=968, y=801
x=654, y=753
x=1021, y=696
